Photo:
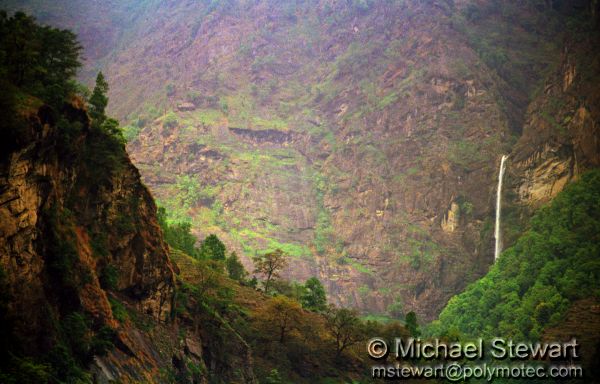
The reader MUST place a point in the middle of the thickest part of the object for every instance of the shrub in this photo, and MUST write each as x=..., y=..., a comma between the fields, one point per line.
x=118, y=310
x=109, y=278
x=170, y=120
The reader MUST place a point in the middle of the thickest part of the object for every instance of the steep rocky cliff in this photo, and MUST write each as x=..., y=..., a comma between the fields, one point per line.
x=73, y=226
x=561, y=133
x=363, y=141
x=86, y=277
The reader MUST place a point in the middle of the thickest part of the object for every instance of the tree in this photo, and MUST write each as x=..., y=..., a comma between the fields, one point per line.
x=345, y=327
x=40, y=60
x=411, y=324
x=314, y=297
x=98, y=101
x=270, y=264
x=59, y=56
x=283, y=314
x=111, y=126
x=212, y=248
x=235, y=269
x=177, y=235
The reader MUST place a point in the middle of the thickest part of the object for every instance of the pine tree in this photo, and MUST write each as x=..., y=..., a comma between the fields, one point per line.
x=212, y=248
x=412, y=325
x=99, y=101
x=235, y=269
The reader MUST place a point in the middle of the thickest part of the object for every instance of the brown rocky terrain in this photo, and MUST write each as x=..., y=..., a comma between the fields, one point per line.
x=75, y=239
x=561, y=134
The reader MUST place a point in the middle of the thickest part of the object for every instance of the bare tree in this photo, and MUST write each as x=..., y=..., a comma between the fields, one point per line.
x=270, y=264
x=281, y=315
x=345, y=327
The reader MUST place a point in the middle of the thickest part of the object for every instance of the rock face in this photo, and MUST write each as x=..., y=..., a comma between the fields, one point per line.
x=37, y=181
x=354, y=178
x=63, y=227
x=362, y=139
x=79, y=235
x=561, y=136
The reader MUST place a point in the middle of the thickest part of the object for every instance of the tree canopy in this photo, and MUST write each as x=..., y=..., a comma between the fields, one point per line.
x=314, y=297
x=212, y=248
x=40, y=60
x=533, y=282
x=234, y=267
x=270, y=265
x=177, y=235
x=345, y=327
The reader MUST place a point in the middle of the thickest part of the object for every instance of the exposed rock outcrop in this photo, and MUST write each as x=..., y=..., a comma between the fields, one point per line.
x=561, y=136
x=68, y=227
x=38, y=178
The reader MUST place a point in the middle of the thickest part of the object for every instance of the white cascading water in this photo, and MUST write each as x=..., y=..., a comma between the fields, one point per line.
x=498, y=247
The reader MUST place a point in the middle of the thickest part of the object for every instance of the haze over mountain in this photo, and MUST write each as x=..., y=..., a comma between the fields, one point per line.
x=349, y=150
x=362, y=138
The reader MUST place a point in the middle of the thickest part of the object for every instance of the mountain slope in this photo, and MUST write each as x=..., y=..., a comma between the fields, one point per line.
x=363, y=138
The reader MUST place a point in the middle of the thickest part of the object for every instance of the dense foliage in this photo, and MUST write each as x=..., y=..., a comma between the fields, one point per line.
x=98, y=100
x=235, y=268
x=40, y=60
x=314, y=297
x=177, y=235
x=34, y=60
x=212, y=248
x=556, y=262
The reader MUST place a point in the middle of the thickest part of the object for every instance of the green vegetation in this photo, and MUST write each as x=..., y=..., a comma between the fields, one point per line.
x=186, y=193
x=37, y=65
x=39, y=60
x=234, y=267
x=109, y=278
x=313, y=297
x=177, y=234
x=281, y=332
x=533, y=283
x=98, y=101
x=465, y=153
x=104, y=154
x=207, y=116
x=170, y=120
x=251, y=241
x=212, y=248
x=345, y=326
x=396, y=309
x=411, y=324
x=323, y=228
x=118, y=310
x=131, y=132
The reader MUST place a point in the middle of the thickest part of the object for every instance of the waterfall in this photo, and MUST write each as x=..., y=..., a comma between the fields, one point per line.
x=498, y=247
